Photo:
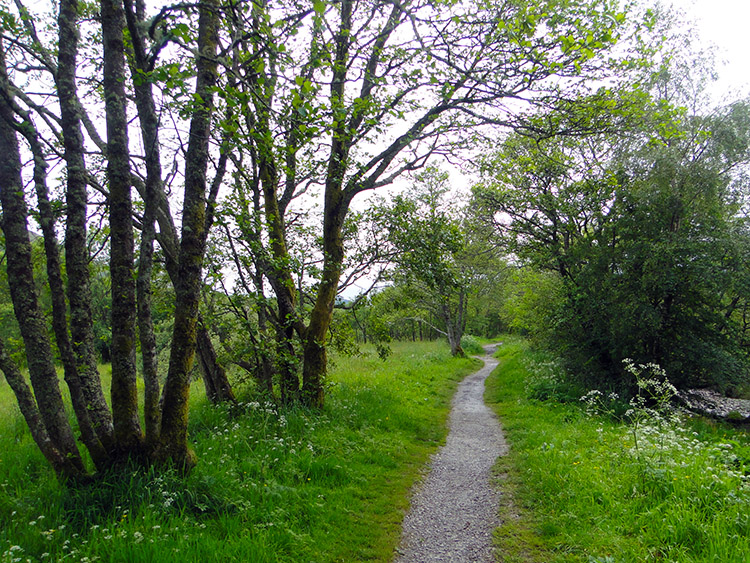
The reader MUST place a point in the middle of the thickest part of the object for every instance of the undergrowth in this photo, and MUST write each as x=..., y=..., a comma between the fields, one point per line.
x=272, y=484
x=615, y=485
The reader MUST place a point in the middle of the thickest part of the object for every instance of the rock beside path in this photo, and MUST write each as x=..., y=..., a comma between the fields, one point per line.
x=712, y=404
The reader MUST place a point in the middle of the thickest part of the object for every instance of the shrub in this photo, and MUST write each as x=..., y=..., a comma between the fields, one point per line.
x=471, y=345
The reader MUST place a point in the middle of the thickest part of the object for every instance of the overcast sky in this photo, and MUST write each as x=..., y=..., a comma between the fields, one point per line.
x=724, y=23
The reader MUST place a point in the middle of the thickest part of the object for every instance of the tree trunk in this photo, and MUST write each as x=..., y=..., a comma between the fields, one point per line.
x=170, y=244
x=283, y=286
x=25, y=303
x=453, y=331
x=266, y=366
x=334, y=213
x=173, y=438
x=315, y=356
x=46, y=219
x=76, y=249
x=454, y=339
x=215, y=378
x=63, y=466
x=153, y=187
x=127, y=425
x=205, y=349
x=287, y=362
x=281, y=280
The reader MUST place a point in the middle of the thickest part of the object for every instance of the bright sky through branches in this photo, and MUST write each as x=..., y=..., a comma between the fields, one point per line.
x=723, y=23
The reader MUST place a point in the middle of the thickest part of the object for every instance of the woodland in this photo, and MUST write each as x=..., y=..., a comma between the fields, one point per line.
x=230, y=198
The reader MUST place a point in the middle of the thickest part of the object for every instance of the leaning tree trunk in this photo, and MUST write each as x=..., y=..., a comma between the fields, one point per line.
x=173, y=442
x=282, y=284
x=63, y=466
x=26, y=308
x=278, y=273
x=157, y=208
x=54, y=273
x=170, y=244
x=215, y=377
x=127, y=425
x=46, y=219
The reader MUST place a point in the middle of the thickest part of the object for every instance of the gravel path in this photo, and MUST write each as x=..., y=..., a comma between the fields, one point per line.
x=454, y=511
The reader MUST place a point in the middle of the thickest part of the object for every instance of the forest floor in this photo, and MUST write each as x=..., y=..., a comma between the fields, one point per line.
x=454, y=510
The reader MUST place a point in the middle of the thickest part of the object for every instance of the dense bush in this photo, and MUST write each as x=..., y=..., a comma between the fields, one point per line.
x=631, y=249
x=471, y=345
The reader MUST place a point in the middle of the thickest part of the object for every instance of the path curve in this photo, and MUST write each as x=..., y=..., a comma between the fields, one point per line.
x=454, y=510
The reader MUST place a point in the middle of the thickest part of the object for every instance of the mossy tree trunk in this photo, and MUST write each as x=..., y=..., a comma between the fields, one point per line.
x=215, y=377
x=149, y=122
x=76, y=248
x=63, y=466
x=46, y=221
x=173, y=442
x=128, y=434
x=44, y=411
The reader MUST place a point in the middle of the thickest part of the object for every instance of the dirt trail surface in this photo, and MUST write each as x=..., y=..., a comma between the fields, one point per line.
x=454, y=511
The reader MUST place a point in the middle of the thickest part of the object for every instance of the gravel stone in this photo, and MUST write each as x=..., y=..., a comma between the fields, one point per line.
x=454, y=510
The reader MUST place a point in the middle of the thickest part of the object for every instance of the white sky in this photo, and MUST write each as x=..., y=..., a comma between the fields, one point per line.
x=724, y=23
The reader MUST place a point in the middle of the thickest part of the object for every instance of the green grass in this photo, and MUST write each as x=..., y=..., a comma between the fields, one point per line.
x=290, y=485
x=583, y=489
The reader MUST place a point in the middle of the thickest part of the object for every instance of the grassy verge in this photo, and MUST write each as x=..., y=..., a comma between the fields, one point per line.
x=588, y=488
x=289, y=485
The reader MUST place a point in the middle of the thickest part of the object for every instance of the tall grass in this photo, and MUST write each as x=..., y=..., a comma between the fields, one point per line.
x=271, y=484
x=591, y=488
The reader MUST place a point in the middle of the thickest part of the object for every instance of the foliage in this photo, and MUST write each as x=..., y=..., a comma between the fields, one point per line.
x=547, y=379
x=586, y=490
x=471, y=346
x=636, y=243
x=273, y=484
x=326, y=104
x=442, y=261
x=303, y=109
x=531, y=301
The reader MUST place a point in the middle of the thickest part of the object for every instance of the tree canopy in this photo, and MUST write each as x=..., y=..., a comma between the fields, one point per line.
x=647, y=235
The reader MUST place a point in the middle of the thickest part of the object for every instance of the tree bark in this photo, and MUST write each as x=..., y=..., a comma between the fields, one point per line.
x=25, y=302
x=170, y=244
x=454, y=326
x=215, y=377
x=76, y=249
x=149, y=122
x=46, y=221
x=124, y=388
x=315, y=356
x=279, y=274
x=63, y=466
x=334, y=213
x=265, y=378
x=173, y=438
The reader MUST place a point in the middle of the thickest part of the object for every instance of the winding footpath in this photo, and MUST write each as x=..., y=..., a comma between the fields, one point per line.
x=454, y=511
